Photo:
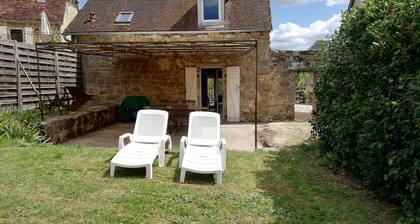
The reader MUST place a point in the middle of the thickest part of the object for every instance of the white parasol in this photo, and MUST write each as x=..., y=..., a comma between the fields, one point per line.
x=45, y=26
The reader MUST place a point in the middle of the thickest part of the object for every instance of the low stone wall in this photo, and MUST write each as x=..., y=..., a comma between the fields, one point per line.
x=62, y=128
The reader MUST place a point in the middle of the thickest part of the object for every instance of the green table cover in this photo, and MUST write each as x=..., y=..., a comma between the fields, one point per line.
x=130, y=106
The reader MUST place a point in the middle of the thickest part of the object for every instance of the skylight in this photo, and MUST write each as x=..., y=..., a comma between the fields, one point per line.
x=124, y=17
x=42, y=1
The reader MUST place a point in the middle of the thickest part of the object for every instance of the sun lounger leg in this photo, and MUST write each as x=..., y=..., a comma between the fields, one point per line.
x=219, y=178
x=149, y=172
x=162, y=159
x=183, y=171
x=112, y=171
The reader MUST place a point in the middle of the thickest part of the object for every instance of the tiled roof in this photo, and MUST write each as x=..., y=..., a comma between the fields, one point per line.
x=351, y=4
x=354, y=3
x=168, y=15
x=30, y=10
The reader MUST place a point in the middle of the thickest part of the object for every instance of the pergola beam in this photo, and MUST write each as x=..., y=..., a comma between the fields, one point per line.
x=148, y=48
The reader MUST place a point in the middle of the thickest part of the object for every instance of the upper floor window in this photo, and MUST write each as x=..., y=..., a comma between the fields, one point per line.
x=210, y=12
x=16, y=34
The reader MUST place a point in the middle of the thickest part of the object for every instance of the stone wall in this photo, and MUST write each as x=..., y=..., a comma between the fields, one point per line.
x=62, y=128
x=285, y=66
x=110, y=79
x=159, y=78
x=35, y=35
x=162, y=77
x=294, y=61
x=71, y=10
x=70, y=13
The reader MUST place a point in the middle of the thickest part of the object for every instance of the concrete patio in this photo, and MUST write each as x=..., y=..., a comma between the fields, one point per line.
x=240, y=137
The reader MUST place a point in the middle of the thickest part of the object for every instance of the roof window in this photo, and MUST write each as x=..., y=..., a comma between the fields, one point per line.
x=124, y=17
x=41, y=1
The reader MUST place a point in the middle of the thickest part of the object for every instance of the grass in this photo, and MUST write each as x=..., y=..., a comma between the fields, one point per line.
x=57, y=184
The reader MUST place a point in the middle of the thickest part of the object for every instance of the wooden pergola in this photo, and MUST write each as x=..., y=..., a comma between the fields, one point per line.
x=161, y=47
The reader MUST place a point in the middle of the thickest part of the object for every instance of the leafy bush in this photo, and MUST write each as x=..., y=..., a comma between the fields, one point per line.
x=20, y=126
x=304, y=90
x=368, y=100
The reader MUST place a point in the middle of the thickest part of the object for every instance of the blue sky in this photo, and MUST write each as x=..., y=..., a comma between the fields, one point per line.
x=297, y=24
x=304, y=14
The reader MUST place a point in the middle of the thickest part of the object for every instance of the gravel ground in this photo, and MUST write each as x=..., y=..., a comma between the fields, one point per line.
x=281, y=135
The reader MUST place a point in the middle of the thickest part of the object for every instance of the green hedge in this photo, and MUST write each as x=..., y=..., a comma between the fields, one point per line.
x=368, y=100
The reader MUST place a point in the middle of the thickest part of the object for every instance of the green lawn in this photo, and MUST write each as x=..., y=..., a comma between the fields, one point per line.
x=54, y=184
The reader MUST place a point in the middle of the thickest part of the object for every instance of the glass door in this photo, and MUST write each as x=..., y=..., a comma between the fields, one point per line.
x=212, y=89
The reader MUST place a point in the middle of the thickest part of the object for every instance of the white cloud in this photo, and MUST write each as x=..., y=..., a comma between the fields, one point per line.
x=290, y=36
x=337, y=2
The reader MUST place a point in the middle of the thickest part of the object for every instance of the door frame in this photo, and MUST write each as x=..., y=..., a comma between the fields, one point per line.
x=199, y=86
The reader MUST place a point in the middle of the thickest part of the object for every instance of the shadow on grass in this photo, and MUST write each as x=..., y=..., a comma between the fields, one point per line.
x=172, y=157
x=194, y=178
x=190, y=178
x=171, y=162
x=121, y=172
x=304, y=191
x=109, y=159
x=287, y=178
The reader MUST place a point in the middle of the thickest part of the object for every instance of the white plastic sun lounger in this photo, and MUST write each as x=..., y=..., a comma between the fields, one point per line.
x=203, y=151
x=146, y=143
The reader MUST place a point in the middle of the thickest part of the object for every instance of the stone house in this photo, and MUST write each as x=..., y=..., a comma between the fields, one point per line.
x=225, y=82
x=355, y=3
x=21, y=20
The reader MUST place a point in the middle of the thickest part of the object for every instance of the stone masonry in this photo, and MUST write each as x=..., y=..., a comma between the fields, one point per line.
x=162, y=77
x=285, y=66
x=62, y=128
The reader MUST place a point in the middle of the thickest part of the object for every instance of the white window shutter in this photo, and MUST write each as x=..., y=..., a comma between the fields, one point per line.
x=191, y=84
x=233, y=94
x=3, y=32
x=29, y=37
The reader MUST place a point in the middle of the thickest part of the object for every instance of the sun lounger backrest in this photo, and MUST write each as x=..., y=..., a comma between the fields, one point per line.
x=150, y=126
x=204, y=129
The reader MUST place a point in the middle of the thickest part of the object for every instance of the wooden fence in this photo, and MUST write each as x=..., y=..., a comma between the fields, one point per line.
x=19, y=82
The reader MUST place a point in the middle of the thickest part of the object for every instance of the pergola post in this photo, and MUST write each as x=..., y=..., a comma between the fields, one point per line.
x=256, y=95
